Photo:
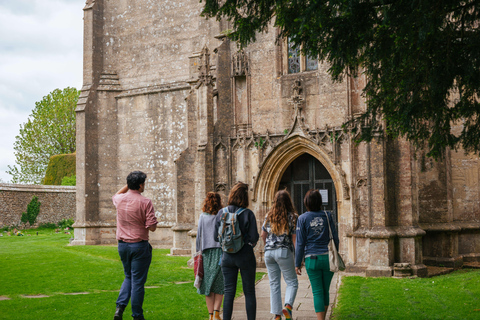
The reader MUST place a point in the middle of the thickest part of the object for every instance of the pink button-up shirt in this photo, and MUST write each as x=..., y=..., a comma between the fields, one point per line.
x=135, y=214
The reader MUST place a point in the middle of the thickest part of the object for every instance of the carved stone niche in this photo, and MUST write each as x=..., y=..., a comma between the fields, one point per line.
x=240, y=64
x=241, y=93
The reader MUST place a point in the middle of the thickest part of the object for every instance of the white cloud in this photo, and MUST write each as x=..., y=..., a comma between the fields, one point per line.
x=41, y=49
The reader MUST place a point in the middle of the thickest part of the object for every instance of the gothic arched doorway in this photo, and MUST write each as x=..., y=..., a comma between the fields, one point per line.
x=304, y=173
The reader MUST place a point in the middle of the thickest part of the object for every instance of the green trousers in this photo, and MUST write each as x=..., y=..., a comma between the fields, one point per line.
x=318, y=270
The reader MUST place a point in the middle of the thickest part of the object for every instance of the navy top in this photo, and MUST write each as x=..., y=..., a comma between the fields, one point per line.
x=313, y=235
x=248, y=225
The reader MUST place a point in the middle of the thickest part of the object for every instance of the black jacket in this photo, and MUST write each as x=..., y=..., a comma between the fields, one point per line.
x=248, y=225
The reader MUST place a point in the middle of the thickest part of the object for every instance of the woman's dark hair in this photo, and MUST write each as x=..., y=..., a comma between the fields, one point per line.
x=278, y=214
x=212, y=203
x=313, y=200
x=239, y=195
x=135, y=179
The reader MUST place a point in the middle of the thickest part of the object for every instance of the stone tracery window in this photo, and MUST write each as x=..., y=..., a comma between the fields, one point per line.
x=296, y=62
x=293, y=58
x=311, y=63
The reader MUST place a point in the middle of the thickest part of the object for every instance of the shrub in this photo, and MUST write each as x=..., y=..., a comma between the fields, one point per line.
x=47, y=225
x=59, y=166
x=33, y=209
x=64, y=223
x=69, y=181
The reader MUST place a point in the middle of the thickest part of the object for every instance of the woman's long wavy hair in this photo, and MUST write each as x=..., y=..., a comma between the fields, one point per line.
x=278, y=214
x=212, y=203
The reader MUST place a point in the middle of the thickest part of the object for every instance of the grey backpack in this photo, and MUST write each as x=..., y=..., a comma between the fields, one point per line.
x=229, y=233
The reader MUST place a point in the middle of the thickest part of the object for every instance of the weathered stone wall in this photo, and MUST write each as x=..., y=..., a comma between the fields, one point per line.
x=132, y=113
x=152, y=133
x=449, y=193
x=166, y=93
x=57, y=203
x=148, y=42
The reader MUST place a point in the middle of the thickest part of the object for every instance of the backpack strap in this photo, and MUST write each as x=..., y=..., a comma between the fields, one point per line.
x=240, y=210
x=237, y=213
x=224, y=218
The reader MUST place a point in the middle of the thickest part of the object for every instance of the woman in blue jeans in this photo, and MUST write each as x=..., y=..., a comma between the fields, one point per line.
x=312, y=243
x=278, y=234
x=243, y=260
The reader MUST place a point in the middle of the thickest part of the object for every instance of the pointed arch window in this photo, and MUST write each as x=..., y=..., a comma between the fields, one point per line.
x=297, y=62
x=293, y=58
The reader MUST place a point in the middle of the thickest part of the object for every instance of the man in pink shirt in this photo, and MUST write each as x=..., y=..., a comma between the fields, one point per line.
x=135, y=217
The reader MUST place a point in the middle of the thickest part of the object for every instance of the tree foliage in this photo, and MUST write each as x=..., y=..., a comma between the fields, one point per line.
x=50, y=130
x=420, y=59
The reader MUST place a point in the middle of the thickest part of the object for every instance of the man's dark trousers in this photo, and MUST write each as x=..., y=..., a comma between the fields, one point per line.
x=136, y=258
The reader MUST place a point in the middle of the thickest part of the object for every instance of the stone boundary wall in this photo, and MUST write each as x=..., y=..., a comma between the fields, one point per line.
x=57, y=203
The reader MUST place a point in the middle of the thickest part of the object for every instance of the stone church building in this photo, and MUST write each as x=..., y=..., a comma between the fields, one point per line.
x=165, y=92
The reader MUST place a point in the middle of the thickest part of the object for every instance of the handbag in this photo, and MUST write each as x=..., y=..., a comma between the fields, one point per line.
x=334, y=258
x=198, y=269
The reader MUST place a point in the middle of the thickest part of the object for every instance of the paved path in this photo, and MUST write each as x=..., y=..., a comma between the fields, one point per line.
x=303, y=306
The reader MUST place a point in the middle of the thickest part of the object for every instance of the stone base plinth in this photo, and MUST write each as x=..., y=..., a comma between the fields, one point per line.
x=181, y=240
x=354, y=268
x=379, y=271
x=456, y=262
x=93, y=236
x=471, y=257
x=162, y=238
x=420, y=270
x=180, y=252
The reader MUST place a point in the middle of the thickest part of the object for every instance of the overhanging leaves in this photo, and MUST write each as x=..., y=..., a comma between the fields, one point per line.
x=420, y=59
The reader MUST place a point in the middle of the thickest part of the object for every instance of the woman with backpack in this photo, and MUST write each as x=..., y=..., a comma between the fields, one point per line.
x=243, y=259
x=212, y=286
x=278, y=234
x=313, y=236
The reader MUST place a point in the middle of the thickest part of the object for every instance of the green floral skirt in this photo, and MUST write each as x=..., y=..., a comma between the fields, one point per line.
x=213, y=276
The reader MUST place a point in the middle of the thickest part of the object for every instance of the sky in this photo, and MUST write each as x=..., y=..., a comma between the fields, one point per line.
x=41, y=49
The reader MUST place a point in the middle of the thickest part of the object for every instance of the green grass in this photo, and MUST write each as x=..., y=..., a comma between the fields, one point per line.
x=452, y=296
x=46, y=265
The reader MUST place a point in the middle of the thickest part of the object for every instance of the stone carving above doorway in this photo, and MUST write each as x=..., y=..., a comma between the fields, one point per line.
x=297, y=100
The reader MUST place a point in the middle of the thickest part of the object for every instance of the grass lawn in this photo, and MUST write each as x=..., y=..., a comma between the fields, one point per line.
x=452, y=296
x=82, y=282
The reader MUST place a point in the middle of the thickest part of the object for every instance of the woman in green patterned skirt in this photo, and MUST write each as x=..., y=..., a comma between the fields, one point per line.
x=212, y=283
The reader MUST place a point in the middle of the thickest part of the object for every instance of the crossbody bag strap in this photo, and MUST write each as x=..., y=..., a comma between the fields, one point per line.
x=329, y=229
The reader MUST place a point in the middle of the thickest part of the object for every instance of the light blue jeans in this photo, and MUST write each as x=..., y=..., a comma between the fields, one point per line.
x=280, y=261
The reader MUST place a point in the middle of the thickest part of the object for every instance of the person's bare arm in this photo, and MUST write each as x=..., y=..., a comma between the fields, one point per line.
x=294, y=239
x=264, y=236
x=298, y=270
x=153, y=228
x=124, y=189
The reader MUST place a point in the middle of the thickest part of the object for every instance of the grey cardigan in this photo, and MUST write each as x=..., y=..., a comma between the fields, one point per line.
x=206, y=228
